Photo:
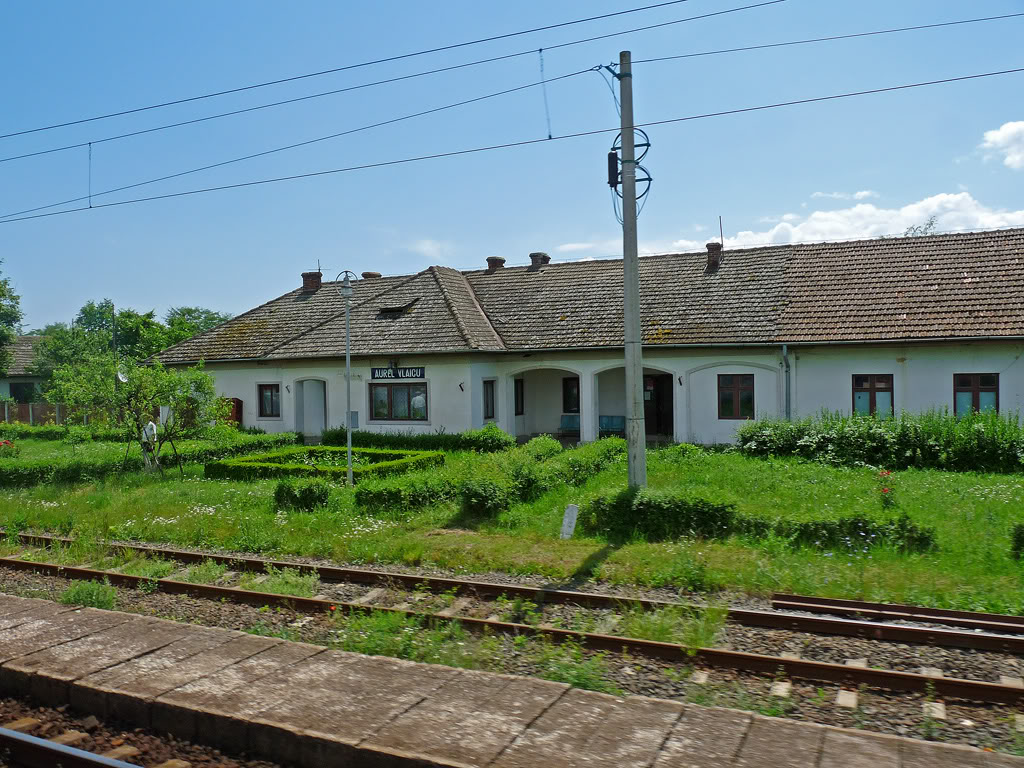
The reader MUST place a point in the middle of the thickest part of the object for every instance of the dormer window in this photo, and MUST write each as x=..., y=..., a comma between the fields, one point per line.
x=392, y=312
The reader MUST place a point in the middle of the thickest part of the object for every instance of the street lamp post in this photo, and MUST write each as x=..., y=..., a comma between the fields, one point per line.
x=346, y=293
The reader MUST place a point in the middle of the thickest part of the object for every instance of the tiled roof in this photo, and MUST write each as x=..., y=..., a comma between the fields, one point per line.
x=23, y=352
x=966, y=285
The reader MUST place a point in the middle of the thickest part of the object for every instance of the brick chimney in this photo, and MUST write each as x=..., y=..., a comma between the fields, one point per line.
x=495, y=263
x=714, y=255
x=311, y=281
x=370, y=275
x=538, y=259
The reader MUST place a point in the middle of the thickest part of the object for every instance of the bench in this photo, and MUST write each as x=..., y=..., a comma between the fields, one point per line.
x=569, y=426
x=611, y=425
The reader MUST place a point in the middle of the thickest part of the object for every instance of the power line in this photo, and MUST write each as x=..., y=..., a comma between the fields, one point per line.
x=295, y=145
x=830, y=38
x=375, y=83
x=399, y=57
x=474, y=150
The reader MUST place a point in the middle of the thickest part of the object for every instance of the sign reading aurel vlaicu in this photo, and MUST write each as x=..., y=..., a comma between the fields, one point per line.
x=398, y=373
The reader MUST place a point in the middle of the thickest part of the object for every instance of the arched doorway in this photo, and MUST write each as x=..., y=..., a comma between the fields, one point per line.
x=659, y=403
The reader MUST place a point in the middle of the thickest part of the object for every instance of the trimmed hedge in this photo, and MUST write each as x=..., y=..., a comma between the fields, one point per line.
x=490, y=439
x=664, y=515
x=287, y=462
x=979, y=442
x=19, y=431
x=72, y=469
x=305, y=495
x=501, y=480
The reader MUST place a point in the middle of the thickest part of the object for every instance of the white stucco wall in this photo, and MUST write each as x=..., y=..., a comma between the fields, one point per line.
x=821, y=379
x=922, y=374
x=448, y=406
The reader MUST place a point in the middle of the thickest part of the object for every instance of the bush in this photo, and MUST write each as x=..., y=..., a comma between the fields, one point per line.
x=485, y=496
x=851, y=533
x=663, y=515
x=405, y=492
x=304, y=494
x=979, y=442
x=543, y=447
x=73, y=469
x=656, y=516
x=577, y=466
x=326, y=463
x=1017, y=541
x=9, y=450
x=490, y=439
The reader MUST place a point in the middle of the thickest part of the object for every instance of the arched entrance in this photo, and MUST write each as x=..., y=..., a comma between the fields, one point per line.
x=659, y=403
x=549, y=400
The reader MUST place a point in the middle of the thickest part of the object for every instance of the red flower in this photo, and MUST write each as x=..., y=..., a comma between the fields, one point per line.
x=884, y=473
x=885, y=490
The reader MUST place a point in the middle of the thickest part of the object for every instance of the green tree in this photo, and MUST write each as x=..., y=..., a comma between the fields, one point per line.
x=927, y=228
x=185, y=322
x=10, y=320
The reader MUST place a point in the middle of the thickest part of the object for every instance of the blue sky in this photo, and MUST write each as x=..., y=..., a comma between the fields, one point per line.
x=854, y=167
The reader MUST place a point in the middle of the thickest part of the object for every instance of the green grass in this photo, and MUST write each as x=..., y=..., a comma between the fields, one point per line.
x=971, y=512
x=281, y=581
x=693, y=627
x=92, y=594
x=205, y=572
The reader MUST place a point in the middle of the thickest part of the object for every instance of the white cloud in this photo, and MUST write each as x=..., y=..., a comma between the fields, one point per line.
x=1007, y=140
x=434, y=250
x=953, y=212
x=699, y=227
x=861, y=195
x=573, y=247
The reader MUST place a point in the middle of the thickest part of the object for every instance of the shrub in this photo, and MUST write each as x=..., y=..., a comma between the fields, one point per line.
x=851, y=533
x=543, y=447
x=326, y=463
x=1017, y=541
x=982, y=442
x=304, y=494
x=73, y=469
x=490, y=439
x=485, y=496
x=577, y=466
x=663, y=515
x=656, y=516
x=8, y=450
x=405, y=492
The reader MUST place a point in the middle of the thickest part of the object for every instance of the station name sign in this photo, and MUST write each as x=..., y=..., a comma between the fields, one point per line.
x=398, y=373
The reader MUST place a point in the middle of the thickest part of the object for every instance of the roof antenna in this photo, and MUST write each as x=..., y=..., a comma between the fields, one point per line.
x=721, y=237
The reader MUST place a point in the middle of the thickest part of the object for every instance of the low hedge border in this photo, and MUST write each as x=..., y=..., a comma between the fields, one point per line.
x=277, y=464
x=664, y=515
x=20, y=473
x=489, y=439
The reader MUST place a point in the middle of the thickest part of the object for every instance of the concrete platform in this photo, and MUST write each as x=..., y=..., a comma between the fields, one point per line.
x=305, y=705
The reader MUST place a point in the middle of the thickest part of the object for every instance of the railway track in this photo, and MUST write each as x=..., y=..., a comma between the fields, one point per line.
x=383, y=587
x=20, y=749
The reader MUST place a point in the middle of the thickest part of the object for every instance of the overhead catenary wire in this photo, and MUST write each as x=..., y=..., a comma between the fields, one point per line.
x=526, y=142
x=347, y=67
x=830, y=38
x=385, y=81
x=295, y=145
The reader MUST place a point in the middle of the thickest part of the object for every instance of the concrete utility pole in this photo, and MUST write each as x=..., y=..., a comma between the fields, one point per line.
x=636, y=433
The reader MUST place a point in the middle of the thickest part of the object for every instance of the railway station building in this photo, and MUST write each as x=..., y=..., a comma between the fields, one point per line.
x=870, y=326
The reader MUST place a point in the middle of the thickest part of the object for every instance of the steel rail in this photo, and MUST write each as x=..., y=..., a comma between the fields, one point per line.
x=1000, y=643
x=27, y=751
x=995, y=622
x=737, y=660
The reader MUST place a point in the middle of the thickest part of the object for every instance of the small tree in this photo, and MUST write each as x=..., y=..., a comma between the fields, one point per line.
x=92, y=388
